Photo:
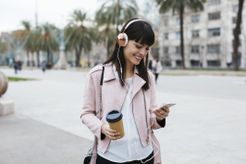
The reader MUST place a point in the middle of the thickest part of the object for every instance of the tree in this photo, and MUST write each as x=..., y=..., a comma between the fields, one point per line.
x=78, y=36
x=49, y=41
x=111, y=14
x=26, y=39
x=3, y=47
x=179, y=6
x=236, y=33
x=35, y=43
x=21, y=38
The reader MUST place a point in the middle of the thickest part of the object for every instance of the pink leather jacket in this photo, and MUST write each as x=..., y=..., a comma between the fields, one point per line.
x=112, y=97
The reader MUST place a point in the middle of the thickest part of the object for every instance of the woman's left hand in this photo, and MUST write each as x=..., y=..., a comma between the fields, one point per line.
x=162, y=113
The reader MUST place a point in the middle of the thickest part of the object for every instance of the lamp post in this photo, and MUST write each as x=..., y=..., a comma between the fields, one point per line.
x=36, y=13
x=62, y=62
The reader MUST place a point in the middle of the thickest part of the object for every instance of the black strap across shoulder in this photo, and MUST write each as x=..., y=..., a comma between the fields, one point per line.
x=101, y=81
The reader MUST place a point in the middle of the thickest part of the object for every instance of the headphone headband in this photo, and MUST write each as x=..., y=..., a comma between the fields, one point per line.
x=122, y=37
x=132, y=21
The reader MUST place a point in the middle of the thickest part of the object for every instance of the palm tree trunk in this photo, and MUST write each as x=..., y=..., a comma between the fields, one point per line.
x=77, y=56
x=49, y=64
x=38, y=60
x=181, y=17
x=28, y=60
x=237, y=32
x=88, y=61
x=51, y=58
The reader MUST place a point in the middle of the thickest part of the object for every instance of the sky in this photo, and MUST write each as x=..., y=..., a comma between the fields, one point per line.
x=56, y=12
x=12, y=12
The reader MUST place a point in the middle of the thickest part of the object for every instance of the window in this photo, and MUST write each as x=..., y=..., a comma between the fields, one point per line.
x=177, y=49
x=177, y=35
x=214, y=15
x=195, y=49
x=214, y=63
x=213, y=48
x=166, y=50
x=214, y=2
x=166, y=36
x=195, y=18
x=213, y=32
x=195, y=63
x=178, y=63
x=195, y=34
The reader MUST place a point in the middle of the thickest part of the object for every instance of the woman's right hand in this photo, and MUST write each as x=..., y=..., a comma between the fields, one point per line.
x=110, y=133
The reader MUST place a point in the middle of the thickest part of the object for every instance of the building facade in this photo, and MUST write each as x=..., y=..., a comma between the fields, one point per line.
x=208, y=36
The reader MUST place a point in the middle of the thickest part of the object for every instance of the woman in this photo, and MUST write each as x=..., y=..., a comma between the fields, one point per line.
x=127, y=86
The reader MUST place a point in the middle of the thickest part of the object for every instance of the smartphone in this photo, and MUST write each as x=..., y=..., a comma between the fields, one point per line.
x=168, y=105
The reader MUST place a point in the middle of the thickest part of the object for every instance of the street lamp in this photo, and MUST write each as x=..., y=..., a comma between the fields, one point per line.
x=36, y=13
x=62, y=62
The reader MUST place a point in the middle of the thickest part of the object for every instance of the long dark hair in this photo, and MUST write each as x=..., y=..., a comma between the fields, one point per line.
x=140, y=31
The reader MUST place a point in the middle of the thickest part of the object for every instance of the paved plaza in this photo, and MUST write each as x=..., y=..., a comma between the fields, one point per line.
x=207, y=126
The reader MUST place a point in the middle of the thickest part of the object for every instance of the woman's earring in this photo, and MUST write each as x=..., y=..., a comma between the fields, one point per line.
x=122, y=39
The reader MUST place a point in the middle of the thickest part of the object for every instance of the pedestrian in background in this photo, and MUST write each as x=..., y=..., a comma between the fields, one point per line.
x=16, y=67
x=43, y=65
x=126, y=86
x=157, y=68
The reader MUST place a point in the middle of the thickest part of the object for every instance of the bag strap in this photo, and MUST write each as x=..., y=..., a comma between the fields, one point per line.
x=102, y=75
x=100, y=96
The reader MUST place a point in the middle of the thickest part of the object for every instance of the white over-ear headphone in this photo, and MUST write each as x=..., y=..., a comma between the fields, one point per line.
x=122, y=37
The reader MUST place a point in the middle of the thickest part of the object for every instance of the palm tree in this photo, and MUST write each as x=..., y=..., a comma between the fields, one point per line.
x=16, y=43
x=116, y=12
x=36, y=44
x=236, y=33
x=26, y=39
x=29, y=39
x=106, y=35
x=110, y=15
x=78, y=36
x=49, y=42
x=179, y=6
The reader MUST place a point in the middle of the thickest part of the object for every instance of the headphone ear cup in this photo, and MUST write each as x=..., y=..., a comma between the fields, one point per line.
x=122, y=39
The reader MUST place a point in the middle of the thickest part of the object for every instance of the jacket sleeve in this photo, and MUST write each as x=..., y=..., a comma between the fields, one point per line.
x=91, y=104
x=155, y=124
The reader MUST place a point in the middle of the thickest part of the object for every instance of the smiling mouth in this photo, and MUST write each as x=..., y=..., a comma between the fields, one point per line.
x=138, y=57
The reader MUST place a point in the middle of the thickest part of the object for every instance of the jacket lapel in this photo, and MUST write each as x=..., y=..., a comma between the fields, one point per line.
x=138, y=82
x=113, y=87
x=109, y=73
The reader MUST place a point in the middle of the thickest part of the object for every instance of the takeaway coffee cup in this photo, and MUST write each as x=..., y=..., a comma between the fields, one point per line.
x=115, y=121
